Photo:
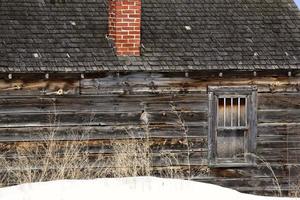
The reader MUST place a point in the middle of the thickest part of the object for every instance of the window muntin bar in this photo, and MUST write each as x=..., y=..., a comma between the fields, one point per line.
x=231, y=114
x=239, y=111
x=224, y=112
x=246, y=109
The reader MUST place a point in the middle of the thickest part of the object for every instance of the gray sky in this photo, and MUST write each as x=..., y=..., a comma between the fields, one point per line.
x=298, y=3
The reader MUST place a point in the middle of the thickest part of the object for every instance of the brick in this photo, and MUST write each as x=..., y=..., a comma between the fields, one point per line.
x=125, y=26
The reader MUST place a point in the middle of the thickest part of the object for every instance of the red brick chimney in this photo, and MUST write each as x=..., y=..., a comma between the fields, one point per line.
x=125, y=26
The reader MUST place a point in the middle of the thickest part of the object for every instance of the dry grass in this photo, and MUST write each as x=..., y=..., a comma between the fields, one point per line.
x=172, y=168
x=276, y=183
x=296, y=190
x=53, y=159
x=131, y=157
x=49, y=160
x=182, y=125
x=56, y=160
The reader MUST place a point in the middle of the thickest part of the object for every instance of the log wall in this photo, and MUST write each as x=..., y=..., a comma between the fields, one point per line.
x=108, y=104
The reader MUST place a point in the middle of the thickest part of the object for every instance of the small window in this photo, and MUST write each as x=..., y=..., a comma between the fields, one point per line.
x=232, y=125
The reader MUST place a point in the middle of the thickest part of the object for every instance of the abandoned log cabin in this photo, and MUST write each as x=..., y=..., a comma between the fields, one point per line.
x=217, y=82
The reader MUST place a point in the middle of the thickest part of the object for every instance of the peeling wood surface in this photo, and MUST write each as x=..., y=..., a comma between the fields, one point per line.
x=107, y=106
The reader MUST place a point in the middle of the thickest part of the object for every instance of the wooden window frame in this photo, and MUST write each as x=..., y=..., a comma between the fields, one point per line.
x=250, y=92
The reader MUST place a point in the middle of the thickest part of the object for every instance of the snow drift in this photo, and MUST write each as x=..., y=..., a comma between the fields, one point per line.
x=135, y=188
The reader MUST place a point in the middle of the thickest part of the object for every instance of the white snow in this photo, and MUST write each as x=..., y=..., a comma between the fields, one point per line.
x=135, y=188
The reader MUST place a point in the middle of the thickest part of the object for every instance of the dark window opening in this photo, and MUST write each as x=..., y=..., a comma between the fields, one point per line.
x=232, y=112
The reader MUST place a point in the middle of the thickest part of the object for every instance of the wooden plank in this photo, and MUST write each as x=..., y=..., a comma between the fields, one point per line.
x=252, y=117
x=161, y=159
x=238, y=90
x=139, y=79
x=190, y=97
x=40, y=107
x=212, y=142
x=135, y=84
x=106, y=146
x=278, y=144
x=100, y=103
x=278, y=129
x=141, y=83
x=98, y=132
x=278, y=116
x=267, y=101
x=38, y=87
x=96, y=118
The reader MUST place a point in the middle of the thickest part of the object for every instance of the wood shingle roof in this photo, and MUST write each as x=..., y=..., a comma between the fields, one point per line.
x=177, y=35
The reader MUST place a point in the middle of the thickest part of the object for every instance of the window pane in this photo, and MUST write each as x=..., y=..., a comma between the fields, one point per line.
x=221, y=112
x=228, y=112
x=235, y=112
x=242, y=112
x=230, y=144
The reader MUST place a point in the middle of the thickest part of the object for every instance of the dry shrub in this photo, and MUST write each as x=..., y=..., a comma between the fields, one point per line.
x=50, y=160
x=182, y=125
x=131, y=157
x=54, y=159
x=278, y=190
x=134, y=157
x=295, y=189
x=172, y=168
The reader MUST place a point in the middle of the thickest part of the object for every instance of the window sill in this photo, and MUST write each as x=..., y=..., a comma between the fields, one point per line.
x=243, y=128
